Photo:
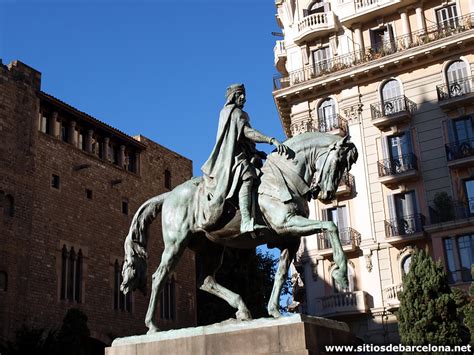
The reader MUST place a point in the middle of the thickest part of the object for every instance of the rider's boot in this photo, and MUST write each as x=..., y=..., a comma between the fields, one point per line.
x=247, y=223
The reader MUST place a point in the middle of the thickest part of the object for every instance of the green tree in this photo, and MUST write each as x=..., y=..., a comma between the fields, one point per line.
x=73, y=336
x=428, y=313
x=249, y=273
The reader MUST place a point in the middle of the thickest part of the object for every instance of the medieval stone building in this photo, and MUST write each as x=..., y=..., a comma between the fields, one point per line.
x=69, y=186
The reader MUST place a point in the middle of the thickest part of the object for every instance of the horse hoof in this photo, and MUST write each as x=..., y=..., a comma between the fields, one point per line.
x=274, y=313
x=152, y=329
x=243, y=315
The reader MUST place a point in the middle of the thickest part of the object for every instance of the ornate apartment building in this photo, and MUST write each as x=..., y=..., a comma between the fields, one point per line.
x=69, y=186
x=397, y=77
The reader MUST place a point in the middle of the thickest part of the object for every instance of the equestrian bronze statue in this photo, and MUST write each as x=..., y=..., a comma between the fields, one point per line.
x=208, y=213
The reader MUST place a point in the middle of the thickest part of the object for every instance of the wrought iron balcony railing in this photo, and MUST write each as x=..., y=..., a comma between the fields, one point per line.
x=347, y=236
x=384, y=48
x=392, y=106
x=454, y=211
x=399, y=165
x=455, y=88
x=459, y=150
x=331, y=123
x=405, y=225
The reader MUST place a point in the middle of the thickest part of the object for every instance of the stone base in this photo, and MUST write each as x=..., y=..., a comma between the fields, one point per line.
x=296, y=334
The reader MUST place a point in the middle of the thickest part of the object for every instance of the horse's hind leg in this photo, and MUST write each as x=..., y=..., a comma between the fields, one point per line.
x=286, y=256
x=174, y=248
x=209, y=284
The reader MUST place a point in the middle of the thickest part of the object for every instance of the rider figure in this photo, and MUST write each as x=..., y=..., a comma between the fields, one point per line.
x=229, y=166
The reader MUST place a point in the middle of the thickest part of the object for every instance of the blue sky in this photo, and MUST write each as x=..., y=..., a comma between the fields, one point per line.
x=156, y=67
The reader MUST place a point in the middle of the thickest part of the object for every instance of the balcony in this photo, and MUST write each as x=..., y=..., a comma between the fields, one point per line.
x=404, y=228
x=399, y=169
x=346, y=185
x=452, y=211
x=314, y=25
x=392, y=112
x=390, y=295
x=280, y=56
x=456, y=93
x=460, y=154
x=354, y=9
x=332, y=124
x=352, y=60
x=342, y=304
x=349, y=237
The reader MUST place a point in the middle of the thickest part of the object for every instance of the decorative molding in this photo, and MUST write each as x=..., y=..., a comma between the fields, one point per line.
x=368, y=259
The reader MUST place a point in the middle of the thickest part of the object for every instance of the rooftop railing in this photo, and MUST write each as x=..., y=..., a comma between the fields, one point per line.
x=405, y=225
x=398, y=165
x=382, y=49
x=392, y=106
x=459, y=150
x=455, y=88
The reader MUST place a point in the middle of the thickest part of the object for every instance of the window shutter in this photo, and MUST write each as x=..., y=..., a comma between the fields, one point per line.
x=391, y=206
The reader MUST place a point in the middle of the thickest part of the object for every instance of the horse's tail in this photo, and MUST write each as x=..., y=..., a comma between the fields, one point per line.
x=135, y=264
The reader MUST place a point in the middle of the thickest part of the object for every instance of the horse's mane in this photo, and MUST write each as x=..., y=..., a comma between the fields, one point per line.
x=307, y=140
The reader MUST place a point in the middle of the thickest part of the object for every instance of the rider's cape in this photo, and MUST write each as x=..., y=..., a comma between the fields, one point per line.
x=226, y=166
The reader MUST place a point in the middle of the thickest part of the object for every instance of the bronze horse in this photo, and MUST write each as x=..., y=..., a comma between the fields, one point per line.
x=318, y=161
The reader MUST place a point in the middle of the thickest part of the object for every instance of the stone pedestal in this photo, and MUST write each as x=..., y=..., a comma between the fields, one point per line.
x=297, y=334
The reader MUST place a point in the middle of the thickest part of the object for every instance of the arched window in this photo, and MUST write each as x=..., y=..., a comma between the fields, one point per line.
x=3, y=281
x=71, y=274
x=318, y=6
x=457, y=78
x=168, y=300
x=350, y=278
x=406, y=261
x=392, y=101
x=121, y=301
x=327, y=116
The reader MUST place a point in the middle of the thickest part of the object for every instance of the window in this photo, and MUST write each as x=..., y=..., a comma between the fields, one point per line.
x=400, y=153
x=71, y=274
x=466, y=256
x=447, y=17
x=338, y=215
x=89, y=194
x=3, y=281
x=168, y=300
x=469, y=190
x=457, y=75
x=121, y=302
x=403, y=210
x=406, y=265
x=328, y=119
x=459, y=253
x=382, y=39
x=317, y=6
x=321, y=60
x=168, y=179
x=449, y=253
x=391, y=97
x=125, y=207
x=64, y=132
x=132, y=162
x=55, y=182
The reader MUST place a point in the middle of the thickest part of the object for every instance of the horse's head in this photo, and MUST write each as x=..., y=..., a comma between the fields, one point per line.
x=330, y=167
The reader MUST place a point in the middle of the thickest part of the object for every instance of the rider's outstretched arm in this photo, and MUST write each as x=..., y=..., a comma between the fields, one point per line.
x=257, y=137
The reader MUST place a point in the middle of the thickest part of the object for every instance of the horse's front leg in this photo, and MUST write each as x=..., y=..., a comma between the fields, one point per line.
x=303, y=226
x=281, y=275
